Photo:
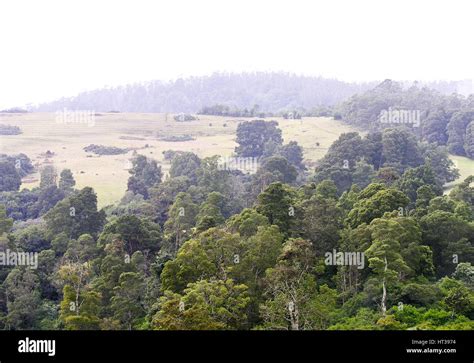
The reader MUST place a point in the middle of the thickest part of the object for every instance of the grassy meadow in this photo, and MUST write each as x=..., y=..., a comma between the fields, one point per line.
x=141, y=132
x=466, y=168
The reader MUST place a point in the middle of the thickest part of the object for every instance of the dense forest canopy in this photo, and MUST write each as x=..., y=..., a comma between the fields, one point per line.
x=366, y=240
x=433, y=117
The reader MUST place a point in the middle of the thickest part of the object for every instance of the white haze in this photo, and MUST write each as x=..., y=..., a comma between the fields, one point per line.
x=58, y=48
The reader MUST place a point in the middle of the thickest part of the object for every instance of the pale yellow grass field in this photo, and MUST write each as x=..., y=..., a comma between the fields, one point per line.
x=108, y=174
x=466, y=168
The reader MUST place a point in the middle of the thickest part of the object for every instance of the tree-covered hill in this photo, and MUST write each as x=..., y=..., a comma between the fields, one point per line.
x=440, y=119
x=271, y=91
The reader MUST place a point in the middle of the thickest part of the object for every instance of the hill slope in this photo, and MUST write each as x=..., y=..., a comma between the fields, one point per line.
x=271, y=91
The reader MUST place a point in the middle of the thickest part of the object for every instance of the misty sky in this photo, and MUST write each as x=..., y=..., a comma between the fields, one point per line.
x=58, y=48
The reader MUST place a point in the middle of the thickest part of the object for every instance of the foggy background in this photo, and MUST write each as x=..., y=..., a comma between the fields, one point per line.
x=52, y=49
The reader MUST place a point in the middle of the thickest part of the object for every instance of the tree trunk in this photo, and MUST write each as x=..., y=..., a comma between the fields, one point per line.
x=384, y=291
x=294, y=318
x=77, y=301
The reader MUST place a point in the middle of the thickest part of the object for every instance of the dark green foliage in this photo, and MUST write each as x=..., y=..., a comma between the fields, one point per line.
x=450, y=238
x=185, y=164
x=76, y=215
x=457, y=129
x=49, y=177
x=212, y=248
x=444, y=120
x=279, y=167
x=294, y=154
x=374, y=201
x=10, y=179
x=177, y=138
x=145, y=174
x=253, y=135
x=400, y=149
x=469, y=140
x=21, y=162
x=277, y=203
x=413, y=179
x=9, y=130
x=137, y=234
x=104, y=150
x=66, y=180
x=384, y=156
